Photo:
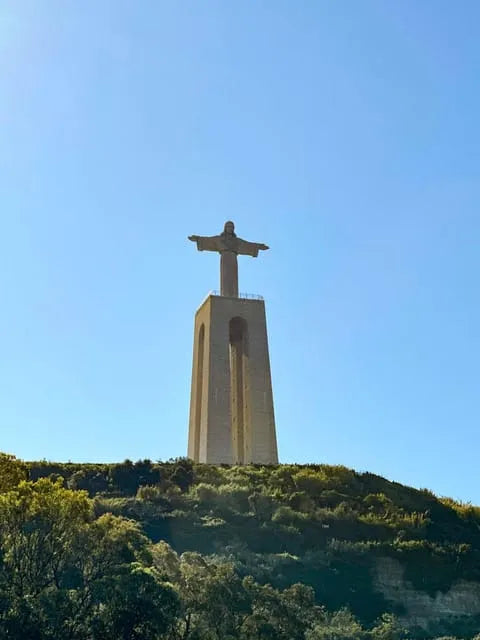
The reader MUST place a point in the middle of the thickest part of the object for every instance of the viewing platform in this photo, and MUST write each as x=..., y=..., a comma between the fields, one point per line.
x=247, y=296
x=241, y=296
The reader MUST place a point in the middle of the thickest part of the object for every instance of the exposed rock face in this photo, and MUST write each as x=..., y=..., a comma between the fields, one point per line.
x=463, y=598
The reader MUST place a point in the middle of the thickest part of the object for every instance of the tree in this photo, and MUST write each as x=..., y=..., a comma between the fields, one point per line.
x=91, y=480
x=12, y=472
x=340, y=625
x=66, y=576
x=182, y=473
x=388, y=628
x=279, y=615
x=40, y=526
x=214, y=602
x=136, y=606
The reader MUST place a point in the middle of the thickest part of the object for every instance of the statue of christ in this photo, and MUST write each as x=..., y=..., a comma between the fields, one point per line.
x=229, y=245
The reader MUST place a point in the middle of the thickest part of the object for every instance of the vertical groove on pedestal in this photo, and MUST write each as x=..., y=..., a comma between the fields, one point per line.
x=199, y=392
x=247, y=427
x=238, y=388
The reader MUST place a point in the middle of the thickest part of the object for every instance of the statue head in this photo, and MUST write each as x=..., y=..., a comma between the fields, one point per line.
x=229, y=228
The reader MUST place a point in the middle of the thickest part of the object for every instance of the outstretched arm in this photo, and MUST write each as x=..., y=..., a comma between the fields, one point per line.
x=250, y=248
x=205, y=243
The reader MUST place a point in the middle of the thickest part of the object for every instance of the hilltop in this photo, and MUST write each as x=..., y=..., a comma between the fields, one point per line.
x=362, y=553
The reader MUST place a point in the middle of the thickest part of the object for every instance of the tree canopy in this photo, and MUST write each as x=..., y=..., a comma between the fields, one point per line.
x=178, y=551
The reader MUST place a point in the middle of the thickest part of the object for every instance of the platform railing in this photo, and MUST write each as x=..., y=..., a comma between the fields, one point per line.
x=246, y=296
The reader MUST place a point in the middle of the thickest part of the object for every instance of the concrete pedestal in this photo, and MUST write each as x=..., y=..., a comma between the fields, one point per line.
x=231, y=406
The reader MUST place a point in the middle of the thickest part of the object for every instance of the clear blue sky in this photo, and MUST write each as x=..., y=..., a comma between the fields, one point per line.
x=343, y=134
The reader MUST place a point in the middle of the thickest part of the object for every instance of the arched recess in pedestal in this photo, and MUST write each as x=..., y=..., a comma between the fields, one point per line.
x=239, y=391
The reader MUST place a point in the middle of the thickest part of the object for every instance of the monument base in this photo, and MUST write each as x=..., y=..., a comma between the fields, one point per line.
x=231, y=406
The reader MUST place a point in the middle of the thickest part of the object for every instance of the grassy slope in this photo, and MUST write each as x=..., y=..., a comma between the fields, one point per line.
x=316, y=524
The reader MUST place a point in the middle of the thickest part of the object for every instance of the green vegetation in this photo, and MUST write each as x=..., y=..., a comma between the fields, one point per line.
x=177, y=551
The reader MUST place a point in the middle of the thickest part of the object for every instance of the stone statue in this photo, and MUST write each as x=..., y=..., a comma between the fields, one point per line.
x=229, y=245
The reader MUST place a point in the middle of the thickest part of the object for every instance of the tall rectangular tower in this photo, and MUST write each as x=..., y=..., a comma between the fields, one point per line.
x=231, y=404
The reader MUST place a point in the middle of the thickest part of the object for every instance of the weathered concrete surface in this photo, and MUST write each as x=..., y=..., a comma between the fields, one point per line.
x=231, y=407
